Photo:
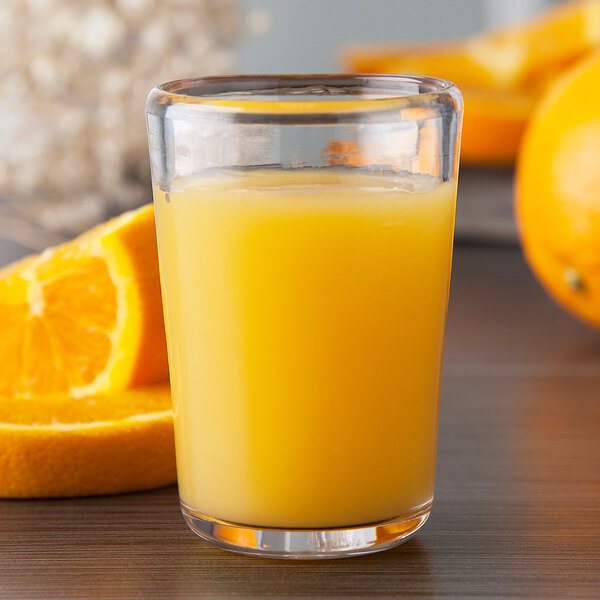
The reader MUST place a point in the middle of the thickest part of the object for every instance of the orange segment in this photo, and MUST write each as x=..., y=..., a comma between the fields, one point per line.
x=500, y=73
x=85, y=316
x=57, y=446
x=557, y=190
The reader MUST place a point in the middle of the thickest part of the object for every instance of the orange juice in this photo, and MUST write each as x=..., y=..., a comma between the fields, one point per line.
x=305, y=313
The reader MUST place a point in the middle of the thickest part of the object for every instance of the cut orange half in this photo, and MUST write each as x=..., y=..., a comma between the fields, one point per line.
x=59, y=446
x=86, y=316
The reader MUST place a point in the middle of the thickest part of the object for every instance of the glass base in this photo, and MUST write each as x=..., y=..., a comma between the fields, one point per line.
x=306, y=543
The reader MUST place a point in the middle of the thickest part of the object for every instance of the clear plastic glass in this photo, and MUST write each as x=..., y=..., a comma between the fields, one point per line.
x=305, y=229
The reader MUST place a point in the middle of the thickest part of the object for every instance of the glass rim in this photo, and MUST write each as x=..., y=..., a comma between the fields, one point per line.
x=245, y=94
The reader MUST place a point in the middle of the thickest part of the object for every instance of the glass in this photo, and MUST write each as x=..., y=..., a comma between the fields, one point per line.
x=305, y=229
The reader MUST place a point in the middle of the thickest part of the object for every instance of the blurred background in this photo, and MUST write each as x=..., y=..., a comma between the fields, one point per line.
x=76, y=76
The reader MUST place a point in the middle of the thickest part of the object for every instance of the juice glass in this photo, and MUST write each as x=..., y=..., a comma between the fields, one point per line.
x=305, y=229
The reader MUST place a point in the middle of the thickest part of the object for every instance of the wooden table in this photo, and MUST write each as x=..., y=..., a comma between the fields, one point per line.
x=517, y=508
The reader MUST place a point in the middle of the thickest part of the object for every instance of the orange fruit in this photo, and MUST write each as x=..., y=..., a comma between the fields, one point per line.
x=85, y=317
x=57, y=446
x=500, y=73
x=558, y=190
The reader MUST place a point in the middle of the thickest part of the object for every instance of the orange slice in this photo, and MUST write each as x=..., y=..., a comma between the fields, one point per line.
x=58, y=446
x=521, y=57
x=86, y=316
x=500, y=73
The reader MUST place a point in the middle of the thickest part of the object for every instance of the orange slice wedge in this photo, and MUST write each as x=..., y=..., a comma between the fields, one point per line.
x=85, y=317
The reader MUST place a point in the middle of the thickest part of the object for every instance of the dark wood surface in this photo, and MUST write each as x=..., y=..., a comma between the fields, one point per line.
x=517, y=508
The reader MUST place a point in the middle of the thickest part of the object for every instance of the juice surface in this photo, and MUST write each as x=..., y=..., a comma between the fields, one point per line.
x=305, y=313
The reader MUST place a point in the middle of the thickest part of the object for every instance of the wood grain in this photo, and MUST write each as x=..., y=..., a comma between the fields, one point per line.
x=517, y=508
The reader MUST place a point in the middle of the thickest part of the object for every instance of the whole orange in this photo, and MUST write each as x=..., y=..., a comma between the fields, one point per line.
x=558, y=190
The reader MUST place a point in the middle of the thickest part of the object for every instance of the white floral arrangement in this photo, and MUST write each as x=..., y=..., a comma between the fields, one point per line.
x=75, y=76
